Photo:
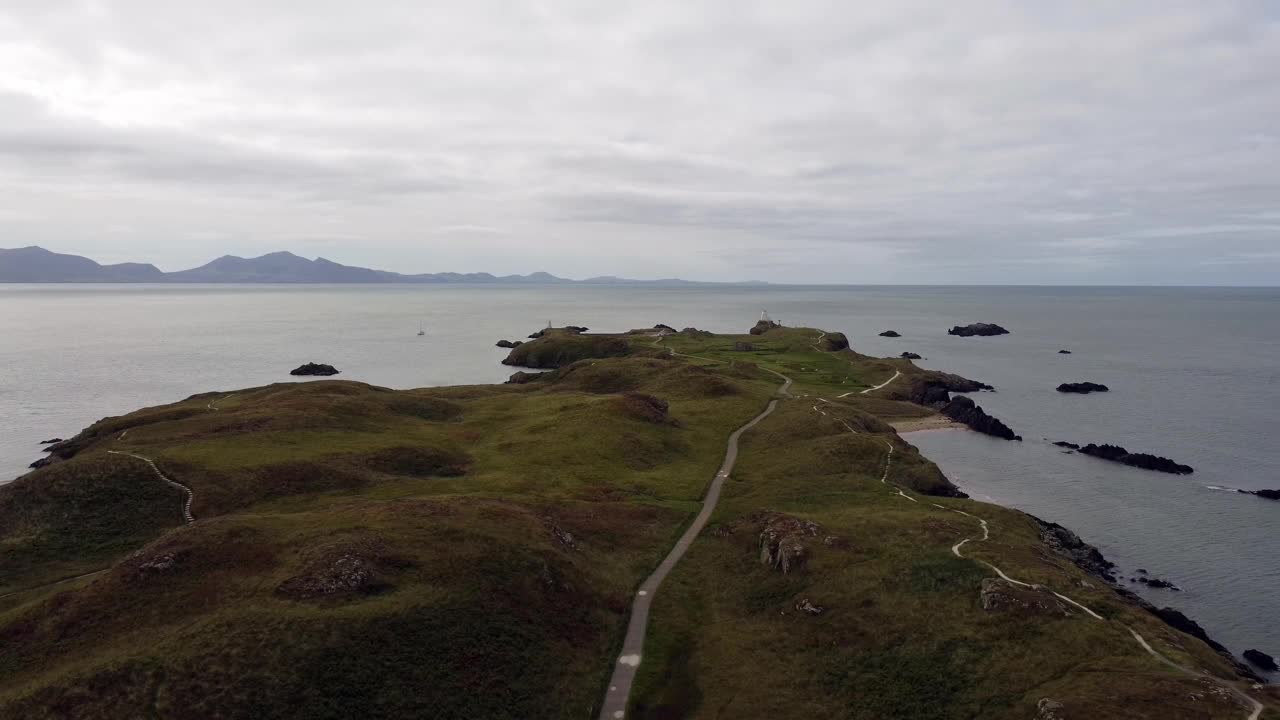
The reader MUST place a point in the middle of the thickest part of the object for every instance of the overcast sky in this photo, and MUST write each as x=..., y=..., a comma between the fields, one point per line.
x=860, y=142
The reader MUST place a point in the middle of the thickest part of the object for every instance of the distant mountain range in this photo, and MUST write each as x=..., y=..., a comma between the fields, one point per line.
x=37, y=265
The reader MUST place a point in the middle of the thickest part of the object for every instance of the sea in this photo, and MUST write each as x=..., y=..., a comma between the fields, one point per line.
x=1194, y=375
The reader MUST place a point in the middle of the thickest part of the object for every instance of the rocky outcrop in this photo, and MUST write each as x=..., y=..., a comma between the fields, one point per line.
x=560, y=349
x=808, y=608
x=509, y=344
x=743, y=347
x=832, y=342
x=43, y=462
x=521, y=377
x=667, y=328
x=890, y=333
x=576, y=329
x=1066, y=543
x=966, y=411
x=1064, y=352
x=1000, y=595
x=1083, y=388
x=910, y=356
x=1065, y=444
x=1261, y=660
x=1268, y=494
x=977, y=329
x=783, y=541
x=51, y=441
x=345, y=570
x=1115, y=453
x=763, y=327
x=1049, y=709
x=935, y=389
x=1181, y=622
x=1158, y=584
x=314, y=369
x=645, y=407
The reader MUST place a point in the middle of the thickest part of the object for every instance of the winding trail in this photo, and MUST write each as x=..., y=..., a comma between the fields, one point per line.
x=191, y=496
x=55, y=582
x=1249, y=702
x=624, y=672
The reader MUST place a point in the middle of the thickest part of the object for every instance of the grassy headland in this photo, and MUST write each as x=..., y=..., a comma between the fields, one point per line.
x=471, y=552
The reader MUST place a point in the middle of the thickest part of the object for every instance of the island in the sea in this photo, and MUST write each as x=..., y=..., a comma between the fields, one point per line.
x=332, y=549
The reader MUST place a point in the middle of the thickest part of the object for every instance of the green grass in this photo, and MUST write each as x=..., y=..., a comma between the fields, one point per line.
x=501, y=532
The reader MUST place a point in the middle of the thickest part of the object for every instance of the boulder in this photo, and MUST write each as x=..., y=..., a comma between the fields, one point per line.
x=1158, y=584
x=314, y=369
x=507, y=344
x=1261, y=660
x=1115, y=453
x=521, y=377
x=977, y=329
x=804, y=606
x=910, y=356
x=1000, y=595
x=890, y=333
x=51, y=441
x=1083, y=388
x=42, y=462
x=1064, y=352
x=966, y=411
x=832, y=342
x=782, y=541
x=1049, y=709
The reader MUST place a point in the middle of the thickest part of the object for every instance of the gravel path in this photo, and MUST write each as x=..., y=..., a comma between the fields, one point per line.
x=191, y=496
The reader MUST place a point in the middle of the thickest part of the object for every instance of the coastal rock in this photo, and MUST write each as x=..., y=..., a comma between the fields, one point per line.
x=1083, y=388
x=42, y=462
x=935, y=389
x=521, y=377
x=833, y=342
x=1181, y=622
x=977, y=329
x=1268, y=494
x=1064, y=352
x=1115, y=453
x=51, y=441
x=1261, y=660
x=890, y=333
x=1159, y=584
x=1066, y=543
x=763, y=327
x=966, y=411
x=509, y=343
x=910, y=356
x=1065, y=444
x=1000, y=595
x=314, y=369
x=782, y=541
x=743, y=347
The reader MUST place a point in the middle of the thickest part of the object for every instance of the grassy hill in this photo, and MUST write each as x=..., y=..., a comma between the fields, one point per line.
x=471, y=552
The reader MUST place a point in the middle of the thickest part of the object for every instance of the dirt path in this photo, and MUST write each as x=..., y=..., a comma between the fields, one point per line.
x=624, y=672
x=191, y=496
x=1254, y=706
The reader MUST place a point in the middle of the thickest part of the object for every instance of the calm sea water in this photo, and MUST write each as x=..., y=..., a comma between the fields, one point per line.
x=1195, y=376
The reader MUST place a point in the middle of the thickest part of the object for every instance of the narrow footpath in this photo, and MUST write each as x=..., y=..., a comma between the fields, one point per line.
x=190, y=495
x=624, y=672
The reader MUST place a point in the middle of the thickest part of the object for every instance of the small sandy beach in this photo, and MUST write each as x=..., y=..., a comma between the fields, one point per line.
x=932, y=422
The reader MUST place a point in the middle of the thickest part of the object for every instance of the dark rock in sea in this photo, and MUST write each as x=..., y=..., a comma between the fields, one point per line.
x=1084, y=388
x=1064, y=352
x=977, y=329
x=1142, y=571
x=1115, y=453
x=1000, y=595
x=507, y=344
x=314, y=369
x=763, y=327
x=50, y=442
x=833, y=342
x=1066, y=543
x=42, y=462
x=522, y=377
x=890, y=333
x=1159, y=584
x=911, y=356
x=1268, y=494
x=1261, y=660
x=966, y=411
x=1181, y=622
x=1065, y=444
x=743, y=347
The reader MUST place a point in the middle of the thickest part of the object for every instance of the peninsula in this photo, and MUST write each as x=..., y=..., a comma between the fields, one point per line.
x=653, y=524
